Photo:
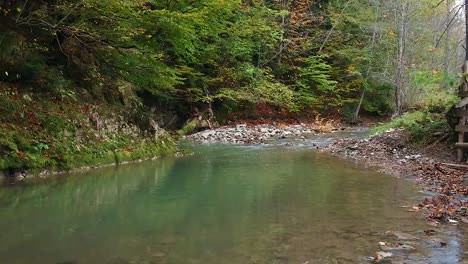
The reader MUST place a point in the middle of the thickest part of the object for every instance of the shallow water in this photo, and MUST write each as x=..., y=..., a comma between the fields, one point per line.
x=225, y=204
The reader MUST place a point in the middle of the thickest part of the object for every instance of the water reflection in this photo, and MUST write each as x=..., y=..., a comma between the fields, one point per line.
x=225, y=204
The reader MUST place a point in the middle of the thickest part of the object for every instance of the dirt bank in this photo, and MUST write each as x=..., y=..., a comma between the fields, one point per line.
x=432, y=167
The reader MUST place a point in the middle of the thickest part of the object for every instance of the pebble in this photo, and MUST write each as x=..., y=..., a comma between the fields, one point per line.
x=243, y=134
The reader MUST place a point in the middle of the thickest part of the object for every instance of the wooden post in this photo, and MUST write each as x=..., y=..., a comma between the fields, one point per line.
x=463, y=92
x=462, y=128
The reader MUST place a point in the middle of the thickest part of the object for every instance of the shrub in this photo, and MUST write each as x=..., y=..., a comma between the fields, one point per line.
x=422, y=126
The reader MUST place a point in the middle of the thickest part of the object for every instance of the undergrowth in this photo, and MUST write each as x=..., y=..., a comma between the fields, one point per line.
x=423, y=127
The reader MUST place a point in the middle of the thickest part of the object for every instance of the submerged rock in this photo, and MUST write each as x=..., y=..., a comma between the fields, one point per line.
x=396, y=247
x=402, y=236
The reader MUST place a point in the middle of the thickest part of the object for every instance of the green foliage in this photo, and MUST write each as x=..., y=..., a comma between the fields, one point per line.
x=183, y=54
x=315, y=82
x=265, y=90
x=422, y=126
x=376, y=98
x=188, y=128
x=229, y=54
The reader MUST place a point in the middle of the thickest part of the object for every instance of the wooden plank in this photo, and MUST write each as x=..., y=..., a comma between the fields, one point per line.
x=461, y=139
x=463, y=94
x=462, y=112
x=461, y=128
x=456, y=166
x=461, y=145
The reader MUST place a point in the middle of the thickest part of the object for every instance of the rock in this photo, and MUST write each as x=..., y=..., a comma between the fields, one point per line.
x=433, y=223
x=412, y=157
x=18, y=175
x=381, y=255
x=403, y=236
x=384, y=254
x=354, y=147
x=203, y=124
x=27, y=97
x=429, y=232
x=205, y=135
x=396, y=247
x=249, y=135
x=241, y=127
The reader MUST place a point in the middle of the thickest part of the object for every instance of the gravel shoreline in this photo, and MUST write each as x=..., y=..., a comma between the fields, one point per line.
x=257, y=134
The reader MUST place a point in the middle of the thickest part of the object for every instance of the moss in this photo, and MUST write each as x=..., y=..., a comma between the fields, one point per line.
x=96, y=154
x=190, y=127
x=57, y=135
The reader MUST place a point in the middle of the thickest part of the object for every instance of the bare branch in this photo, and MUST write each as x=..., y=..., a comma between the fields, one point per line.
x=438, y=4
x=448, y=25
x=333, y=28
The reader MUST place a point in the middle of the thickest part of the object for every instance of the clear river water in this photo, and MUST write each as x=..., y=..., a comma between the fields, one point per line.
x=225, y=204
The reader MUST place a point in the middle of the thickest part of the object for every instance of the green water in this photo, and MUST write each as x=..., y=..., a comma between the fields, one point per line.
x=225, y=204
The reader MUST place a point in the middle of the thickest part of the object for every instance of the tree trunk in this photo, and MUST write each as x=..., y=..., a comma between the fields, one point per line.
x=463, y=86
x=466, y=31
x=373, y=40
x=401, y=15
x=447, y=55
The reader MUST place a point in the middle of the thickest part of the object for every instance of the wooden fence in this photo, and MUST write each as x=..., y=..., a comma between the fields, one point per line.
x=462, y=113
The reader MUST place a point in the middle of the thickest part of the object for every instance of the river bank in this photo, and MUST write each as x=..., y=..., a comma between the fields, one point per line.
x=431, y=167
x=42, y=135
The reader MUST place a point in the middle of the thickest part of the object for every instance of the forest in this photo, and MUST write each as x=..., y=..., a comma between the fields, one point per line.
x=69, y=68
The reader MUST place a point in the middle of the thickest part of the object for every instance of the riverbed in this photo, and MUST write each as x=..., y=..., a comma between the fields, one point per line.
x=269, y=203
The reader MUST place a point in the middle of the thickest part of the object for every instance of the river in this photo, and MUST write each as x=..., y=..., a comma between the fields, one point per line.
x=225, y=204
